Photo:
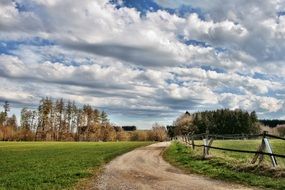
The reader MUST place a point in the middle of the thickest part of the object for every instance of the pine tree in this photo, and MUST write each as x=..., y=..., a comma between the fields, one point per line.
x=59, y=118
x=6, y=107
x=97, y=116
x=104, y=117
x=44, y=118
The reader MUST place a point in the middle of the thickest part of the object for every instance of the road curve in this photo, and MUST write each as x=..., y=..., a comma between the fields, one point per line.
x=145, y=169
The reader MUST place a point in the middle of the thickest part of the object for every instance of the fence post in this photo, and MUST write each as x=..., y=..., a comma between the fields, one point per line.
x=265, y=145
x=204, y=148
x=260, y=149
x=269, y=150
x=209, y=144
x=206, y=142
x=187, y=140
x=193, y=144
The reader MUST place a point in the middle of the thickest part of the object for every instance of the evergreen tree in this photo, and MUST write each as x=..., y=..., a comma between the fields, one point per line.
x=225, y=121
x=6, y=107
x=104, y=117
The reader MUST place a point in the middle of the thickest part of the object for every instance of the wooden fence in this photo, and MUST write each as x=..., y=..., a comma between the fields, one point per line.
x=263, y=149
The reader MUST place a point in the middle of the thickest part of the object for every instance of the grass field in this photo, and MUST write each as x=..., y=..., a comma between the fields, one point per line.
x=278, y=147
x=55, y=165
x=231, y=166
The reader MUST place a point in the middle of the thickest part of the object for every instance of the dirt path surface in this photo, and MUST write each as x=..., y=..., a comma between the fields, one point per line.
x=145, y=169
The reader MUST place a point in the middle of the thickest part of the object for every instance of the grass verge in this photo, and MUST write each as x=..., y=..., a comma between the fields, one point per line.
x=223, y=168
x=55, y=165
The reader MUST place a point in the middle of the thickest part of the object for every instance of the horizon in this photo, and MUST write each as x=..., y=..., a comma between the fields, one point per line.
x=144, y=61
x=17, y=113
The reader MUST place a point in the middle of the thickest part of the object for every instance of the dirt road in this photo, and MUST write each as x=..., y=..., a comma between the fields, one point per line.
x=145, y=169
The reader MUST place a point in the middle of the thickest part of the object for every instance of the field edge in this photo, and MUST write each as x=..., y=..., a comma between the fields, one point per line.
x=57, y=165
x=91, y=182
x=179, y=156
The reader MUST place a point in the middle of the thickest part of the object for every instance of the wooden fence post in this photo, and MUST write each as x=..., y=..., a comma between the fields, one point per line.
x=204, y=148
x=209, y=144
x=257, y=155
x=193, y=143
x=206, y=142
x=265, y=145
x=269, y=150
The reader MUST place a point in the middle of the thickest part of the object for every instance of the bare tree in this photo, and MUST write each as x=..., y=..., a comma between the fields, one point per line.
x=159, y=132
x=44, y=119
x=184, y=124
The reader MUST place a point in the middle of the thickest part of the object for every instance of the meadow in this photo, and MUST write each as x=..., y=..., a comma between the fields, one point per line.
x=55, y=165
x=231, y=166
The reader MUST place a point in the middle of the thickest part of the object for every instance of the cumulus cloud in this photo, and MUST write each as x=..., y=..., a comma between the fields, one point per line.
x=251, y=102
x=144, y=66
x=254, y=27
x=15, y=24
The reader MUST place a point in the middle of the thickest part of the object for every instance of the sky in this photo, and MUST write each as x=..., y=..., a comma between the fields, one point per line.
x=145, y=61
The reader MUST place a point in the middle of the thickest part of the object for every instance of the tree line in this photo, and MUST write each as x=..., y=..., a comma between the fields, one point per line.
x=272, y=123
x=221, y=121
x=58, y=120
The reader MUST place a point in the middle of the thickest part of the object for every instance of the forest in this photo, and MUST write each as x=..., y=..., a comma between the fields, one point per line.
x=58, y=120
x=221, y=121
x=272, y=123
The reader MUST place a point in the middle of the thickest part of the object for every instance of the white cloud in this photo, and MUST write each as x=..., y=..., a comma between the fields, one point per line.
x=118, y=60
x=217, y=33
x=251, y=102
x=15, y=24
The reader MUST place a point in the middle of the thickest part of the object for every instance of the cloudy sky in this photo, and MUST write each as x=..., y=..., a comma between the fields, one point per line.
x=144, y=61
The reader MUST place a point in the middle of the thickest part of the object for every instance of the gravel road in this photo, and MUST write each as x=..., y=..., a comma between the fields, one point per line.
x=145, y=169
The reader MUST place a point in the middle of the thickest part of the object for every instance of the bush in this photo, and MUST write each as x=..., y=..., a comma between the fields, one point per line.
x=25, y=135
x=159, y=132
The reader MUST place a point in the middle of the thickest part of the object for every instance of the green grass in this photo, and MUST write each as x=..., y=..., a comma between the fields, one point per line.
x=231, y=166
x=278, y=147
x=55, y=165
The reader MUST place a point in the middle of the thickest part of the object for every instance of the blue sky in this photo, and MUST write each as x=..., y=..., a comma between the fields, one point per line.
x=145, y=61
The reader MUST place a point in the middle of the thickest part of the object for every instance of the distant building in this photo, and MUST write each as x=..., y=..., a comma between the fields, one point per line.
x=129, y=128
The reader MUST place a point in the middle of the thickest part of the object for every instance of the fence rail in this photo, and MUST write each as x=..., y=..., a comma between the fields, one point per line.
x=264, y=148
